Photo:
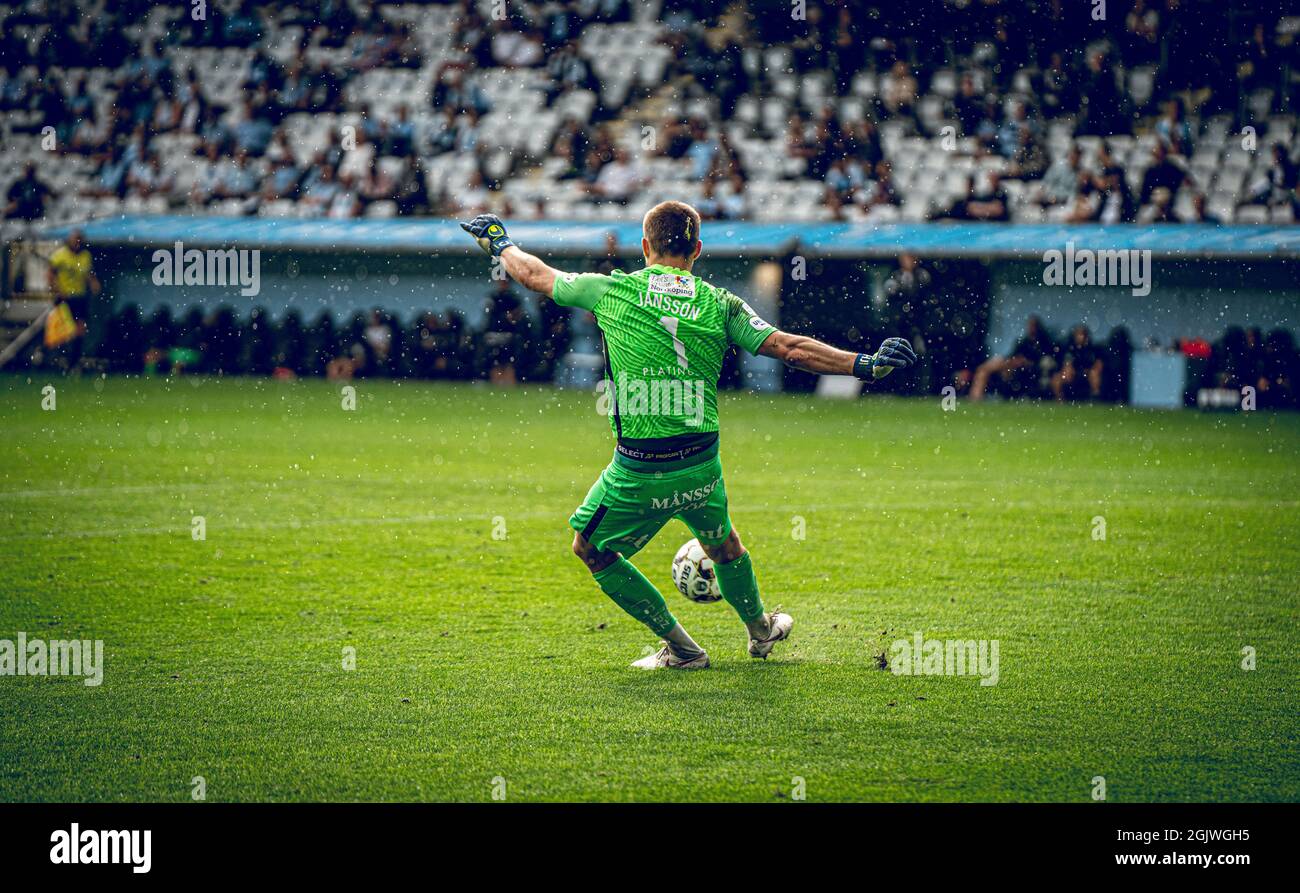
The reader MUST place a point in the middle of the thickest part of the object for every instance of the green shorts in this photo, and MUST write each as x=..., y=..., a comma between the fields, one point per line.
x=626, y=508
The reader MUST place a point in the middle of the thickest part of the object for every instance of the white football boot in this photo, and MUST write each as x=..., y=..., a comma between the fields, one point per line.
x=665, y=659
x=779, y=626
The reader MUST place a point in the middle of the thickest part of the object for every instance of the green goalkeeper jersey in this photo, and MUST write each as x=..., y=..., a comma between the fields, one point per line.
x=665, y=333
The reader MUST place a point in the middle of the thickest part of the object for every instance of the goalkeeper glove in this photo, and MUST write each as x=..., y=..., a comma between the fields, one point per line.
x=489, y=232
x=894, y=353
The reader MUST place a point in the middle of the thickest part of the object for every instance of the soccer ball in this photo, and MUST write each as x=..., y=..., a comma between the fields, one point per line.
x=693, y=574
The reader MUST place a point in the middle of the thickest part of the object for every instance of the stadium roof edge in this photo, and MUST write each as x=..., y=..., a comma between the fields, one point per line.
x=722, y=238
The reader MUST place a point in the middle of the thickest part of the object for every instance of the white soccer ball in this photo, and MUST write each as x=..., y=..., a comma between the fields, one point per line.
x=693, y=573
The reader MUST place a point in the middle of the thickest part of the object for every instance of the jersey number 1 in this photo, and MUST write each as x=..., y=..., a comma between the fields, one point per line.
x=670, y=323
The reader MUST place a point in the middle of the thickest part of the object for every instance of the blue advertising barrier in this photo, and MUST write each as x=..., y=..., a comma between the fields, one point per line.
x=722, y=238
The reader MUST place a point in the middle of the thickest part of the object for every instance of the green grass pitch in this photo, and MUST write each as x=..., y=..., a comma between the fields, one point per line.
x=480, y=658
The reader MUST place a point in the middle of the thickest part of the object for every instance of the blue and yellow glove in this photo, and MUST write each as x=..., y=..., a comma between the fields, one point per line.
x=489, y=232
x=894, y=353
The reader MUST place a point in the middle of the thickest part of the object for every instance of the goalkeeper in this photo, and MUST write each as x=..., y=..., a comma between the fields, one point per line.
x=665, y=334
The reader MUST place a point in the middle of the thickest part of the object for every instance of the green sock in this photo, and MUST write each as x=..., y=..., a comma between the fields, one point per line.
x=636, y=595
x=740, y=587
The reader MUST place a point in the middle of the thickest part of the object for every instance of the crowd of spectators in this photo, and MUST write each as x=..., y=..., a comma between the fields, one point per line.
x=935, y=307
x=516, y=344
x=1077, y=368
x=513, y=344
x=725, y=94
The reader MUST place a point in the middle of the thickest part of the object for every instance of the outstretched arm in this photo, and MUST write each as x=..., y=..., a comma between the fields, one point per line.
x=808, y=354
x=529, y=271
x=812, y=355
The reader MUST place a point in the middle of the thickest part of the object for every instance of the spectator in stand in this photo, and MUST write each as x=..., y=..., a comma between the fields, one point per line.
x=703, y=150
x=968, y=106
x=1258, y=63
x=1102, y=107
x=213, y=131
x=206, y=181
x=1116, y=386
x=124, y=344
x=899, y=91
x=1278, y=186
x=863, y=143
x=1114, y=202
x=1029, y=161
x=451, y=92
x=1278, y=372
x=412, y=194
x=847, y=52
x=378, y=336
x=505, y=337
x=295, y=94
x=727, y=162
x=881, y=191
x=147, y=179
x=676, y=138
x=799, y=142
x=319, y=194
x=467, y=132
x=611, y=260
x=1200, y=214
x=399, y=136
x=1061, y=183
x=845, y=179
x=444, y=132
x=619, y=179
x=909, y=290
x=251, y=128
x=989, y=202
x=282, y=183
x=1059, y=93
x=346, y=202
x=423, y=361
x=90, y=133
x=1142, y=34
x=1174, y=130
x=1080, y=376
x=570, y=146
x=986, y=131
x=1018, y=371
x=238, y=177
x=1164, y=173
x=27, y=196
x=377, y=184
x=1232, y=362
x=553, y=337
x=1161, y=209
x=1009, y=137
x=568, y=71
x=732, y=201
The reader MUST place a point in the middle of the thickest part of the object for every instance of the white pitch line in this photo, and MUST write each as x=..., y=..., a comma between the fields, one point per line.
x=112, y=488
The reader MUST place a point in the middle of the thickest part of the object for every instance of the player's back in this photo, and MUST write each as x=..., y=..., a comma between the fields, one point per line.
x=666, y=332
